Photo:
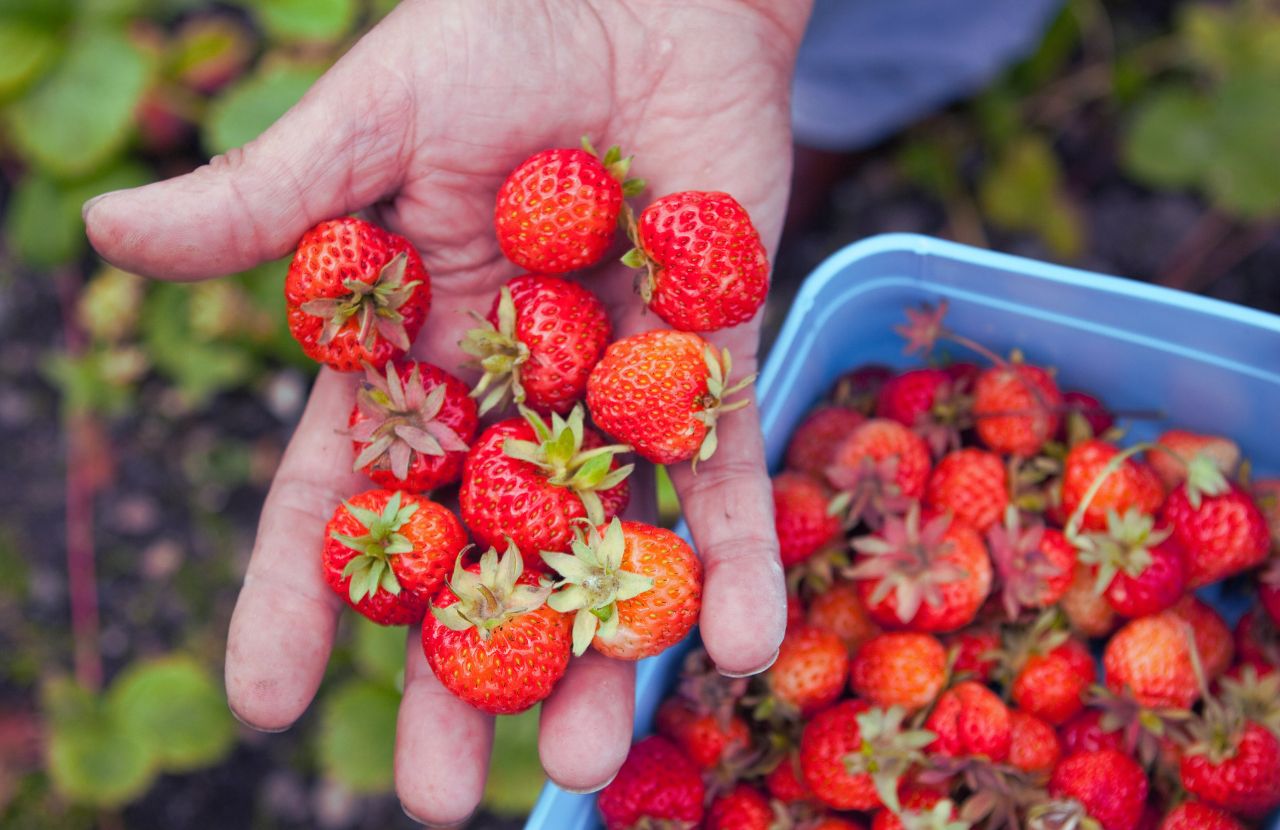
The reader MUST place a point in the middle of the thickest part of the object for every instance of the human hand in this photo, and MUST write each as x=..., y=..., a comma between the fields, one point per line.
x=419, y=123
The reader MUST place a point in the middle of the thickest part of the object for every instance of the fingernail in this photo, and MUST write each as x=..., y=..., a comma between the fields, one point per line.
x=257, y=728
x=88, y=206
x=426, y=823
x=589, y=790
x=750, y=672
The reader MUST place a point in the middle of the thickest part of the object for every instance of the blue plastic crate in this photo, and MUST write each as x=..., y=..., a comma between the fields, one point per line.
x=1206, y=364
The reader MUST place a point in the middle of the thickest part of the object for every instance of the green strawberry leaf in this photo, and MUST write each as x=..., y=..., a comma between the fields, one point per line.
x=378, y=651
x=358, y=735
x=1170, y=142
x=174, y=706
x=309, y=20
x=28, y=50
x=91, y=757
x=254, y=104
x=81, y=114
x=44, y=222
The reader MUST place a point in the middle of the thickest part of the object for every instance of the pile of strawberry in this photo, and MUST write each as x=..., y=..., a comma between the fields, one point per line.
x=554, y=570
x=992, y=623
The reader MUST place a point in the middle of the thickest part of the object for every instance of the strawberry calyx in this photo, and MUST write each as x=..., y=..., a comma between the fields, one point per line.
x=500, y=353
x=558, y=454
x=1023, y=566
x=370, y=570
x=1061, y=814
x=907, y=560
x=637, y=257
x=374, y=305
x=998, y=793
x=593, y=581
x=1020, y=643
x=868, y=492
x=492, y=596
x=941, y=816
x=618, y=166
x=719, y=367
x=1125, y=546
x=401, y=418
x=1255, y=696
x=887, y=752
x=1142, y=729
x=1204, y=478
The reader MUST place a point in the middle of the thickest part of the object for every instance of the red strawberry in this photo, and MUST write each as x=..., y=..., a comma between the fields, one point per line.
x=1139, y=569
x=810, y=448
x=1193, y=815
x=833, y=823
x=1233, y=764
x=529, y=481
x=1269, y=589
x=933, y=578
x=908, y=397
x=386, y=553
x=1180, y=446
x=800, y=516
x=919, y=808
x=810, y=670
x=656, y=784
x=1213, y=637
x=975, y=653
x=1084, y=732
x=1033, y=745
x=1109, y=785
x=840, y=609
x=970, y=720
x=559, y=209
x=661, y=392
x=1222, y=531
x=356, y=294
x=539, y=343
x=859, y=388
x=1090, y=613
x=742, y=808
x=1130, y=485
x=1050, y=684
x=636, y=589
x=704, y=738
x=1034, y=564
x=970, y=484
x=900, y=668
x=706, y=268
x=843, y=746
x=1016, y=408
x=492, y=640
x=1150, y=660
x=786, y=780
x=410, y=429
x=878, y=468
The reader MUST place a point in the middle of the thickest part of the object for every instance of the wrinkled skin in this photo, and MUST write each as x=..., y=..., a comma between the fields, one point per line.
x=418, y=124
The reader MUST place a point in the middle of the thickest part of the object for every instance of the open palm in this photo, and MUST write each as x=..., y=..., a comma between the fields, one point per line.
x=419, y=123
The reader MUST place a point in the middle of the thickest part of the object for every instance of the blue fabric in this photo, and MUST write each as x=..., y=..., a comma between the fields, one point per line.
x=867, y=68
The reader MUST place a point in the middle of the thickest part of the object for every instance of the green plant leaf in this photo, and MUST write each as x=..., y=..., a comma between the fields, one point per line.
x=254, y=104
x=1244, y=176
x=173, y=705
x=311, y=20
x=91, y=757
x=1170, y=140
x=1226, y=40
x=358, y=735
x=28, y=49
x=199, y=368
x=515, y=773
x=81, y=114
x=1023, y=192
x=379, y=651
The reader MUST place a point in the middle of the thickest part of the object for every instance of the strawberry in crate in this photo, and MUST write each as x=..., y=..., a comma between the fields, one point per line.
x=998, y=619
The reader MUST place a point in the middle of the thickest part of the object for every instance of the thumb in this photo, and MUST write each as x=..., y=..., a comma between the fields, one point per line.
x=335, y=151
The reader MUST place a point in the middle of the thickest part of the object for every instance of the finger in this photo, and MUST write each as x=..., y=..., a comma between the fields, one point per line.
x=585, y=730
x=442, y=746
x=728, y=504
x=338, y=149
x=283, y=625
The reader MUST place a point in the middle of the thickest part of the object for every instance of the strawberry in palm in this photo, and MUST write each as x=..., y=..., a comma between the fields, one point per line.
x=538, y=344
x=528, y=480
x=635, y=589
x=386, y=553
x=558, y=211
x=705, y=267
x=356, y=294
x=491, y=639
x=930, y=578
x=410, y=428
x=661, y=392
